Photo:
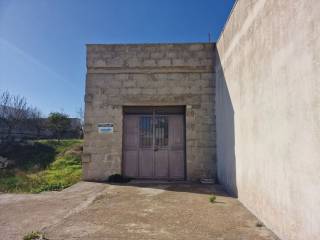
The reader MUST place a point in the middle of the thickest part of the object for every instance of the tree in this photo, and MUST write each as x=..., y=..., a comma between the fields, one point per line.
x=59, y=123
x=13, y=111
x=36, y=121
x=81, y=117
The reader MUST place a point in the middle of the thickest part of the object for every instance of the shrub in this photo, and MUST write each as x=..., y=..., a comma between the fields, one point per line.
x=212, y=198
x=34, y=236
x=259, y=224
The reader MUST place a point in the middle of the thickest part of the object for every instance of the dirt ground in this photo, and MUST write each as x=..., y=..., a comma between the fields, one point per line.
x=136, y=211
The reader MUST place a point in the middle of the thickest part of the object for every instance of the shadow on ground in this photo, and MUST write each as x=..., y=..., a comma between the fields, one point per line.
x=186, y=187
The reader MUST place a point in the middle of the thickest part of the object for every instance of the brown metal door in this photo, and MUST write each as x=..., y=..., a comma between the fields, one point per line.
x=161, y=142
x=177, y=149
x=154, y=146
x=131, y=146
x=146, y=148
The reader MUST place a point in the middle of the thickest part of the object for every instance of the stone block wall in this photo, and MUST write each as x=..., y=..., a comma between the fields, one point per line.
x=149, y=75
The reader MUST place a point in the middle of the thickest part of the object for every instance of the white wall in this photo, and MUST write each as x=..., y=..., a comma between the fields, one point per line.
x=268, y=113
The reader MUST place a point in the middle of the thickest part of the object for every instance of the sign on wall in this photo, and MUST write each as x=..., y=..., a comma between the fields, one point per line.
x=105, y=128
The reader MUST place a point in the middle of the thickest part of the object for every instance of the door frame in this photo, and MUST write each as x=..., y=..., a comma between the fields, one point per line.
x=151, y=110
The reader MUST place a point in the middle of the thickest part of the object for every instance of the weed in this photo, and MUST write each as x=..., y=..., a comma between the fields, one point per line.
x=212, y=198
x=259, y=224
x=63, y=171
x=34, y=236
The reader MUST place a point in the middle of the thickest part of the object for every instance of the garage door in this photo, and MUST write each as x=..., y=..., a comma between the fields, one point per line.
x=154, y=143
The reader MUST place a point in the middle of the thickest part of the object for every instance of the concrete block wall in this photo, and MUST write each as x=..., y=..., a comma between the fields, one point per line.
x=268, y=113
x=149, y=75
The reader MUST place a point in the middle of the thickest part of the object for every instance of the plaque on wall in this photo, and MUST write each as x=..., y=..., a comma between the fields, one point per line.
x=105, y=128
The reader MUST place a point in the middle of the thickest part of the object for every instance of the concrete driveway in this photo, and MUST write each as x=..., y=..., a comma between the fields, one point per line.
x=137, y=211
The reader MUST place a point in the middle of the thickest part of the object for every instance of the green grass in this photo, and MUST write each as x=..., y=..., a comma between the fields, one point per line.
x=58, y=166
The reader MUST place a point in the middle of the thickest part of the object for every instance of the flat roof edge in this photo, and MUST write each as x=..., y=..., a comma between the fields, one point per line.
x=150, y=44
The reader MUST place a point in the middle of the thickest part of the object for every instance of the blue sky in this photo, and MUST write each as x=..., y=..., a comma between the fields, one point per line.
x=42, y=42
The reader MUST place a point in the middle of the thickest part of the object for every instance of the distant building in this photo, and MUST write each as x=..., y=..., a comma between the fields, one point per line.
x=26, y=130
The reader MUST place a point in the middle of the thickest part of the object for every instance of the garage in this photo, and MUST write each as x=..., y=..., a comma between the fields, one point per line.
x=150, y=112
x=154, y=143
